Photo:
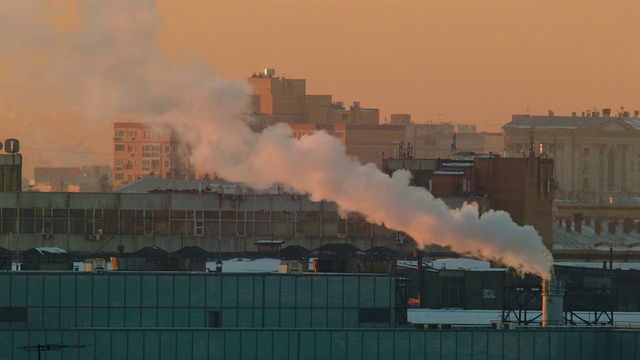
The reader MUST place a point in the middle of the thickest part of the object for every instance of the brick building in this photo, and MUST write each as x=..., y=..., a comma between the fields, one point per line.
x=523, y=187
x=278, y=99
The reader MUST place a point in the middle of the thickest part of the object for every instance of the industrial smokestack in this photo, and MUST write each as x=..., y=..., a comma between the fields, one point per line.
x=552, y=303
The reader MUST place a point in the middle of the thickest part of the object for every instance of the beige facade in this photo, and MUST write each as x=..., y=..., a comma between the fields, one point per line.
x=369, y=143
x=278, y=99
x=597, y=158
x=433, y=141
x=142, y=149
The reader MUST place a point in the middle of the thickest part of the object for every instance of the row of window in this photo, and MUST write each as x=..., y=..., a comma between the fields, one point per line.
x=179, y=222
x=147, y=150
x=147, y=134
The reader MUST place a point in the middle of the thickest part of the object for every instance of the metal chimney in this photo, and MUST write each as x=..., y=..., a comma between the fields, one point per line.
x=552, y=303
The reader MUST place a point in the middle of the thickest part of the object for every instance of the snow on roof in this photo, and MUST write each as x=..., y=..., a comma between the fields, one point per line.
x=588, y=239
x=51, y=250
x=448, y=172
x=152, y=184
x=558, y=122
x=453, y=264
x=240, y=265
x=598, y=265
x=465, y=163
x=633, y=122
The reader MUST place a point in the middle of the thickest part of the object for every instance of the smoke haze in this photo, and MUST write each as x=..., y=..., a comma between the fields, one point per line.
x=75, y=82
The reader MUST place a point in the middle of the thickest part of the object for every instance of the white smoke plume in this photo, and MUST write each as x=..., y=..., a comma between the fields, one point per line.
x=110, y=66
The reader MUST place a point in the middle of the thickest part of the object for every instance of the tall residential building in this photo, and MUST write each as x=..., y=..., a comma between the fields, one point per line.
x=281, y=100
x=596, y=157
x=145, y=149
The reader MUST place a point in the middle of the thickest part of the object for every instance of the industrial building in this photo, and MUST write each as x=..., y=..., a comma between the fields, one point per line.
x=271, y=316
x=214, y=220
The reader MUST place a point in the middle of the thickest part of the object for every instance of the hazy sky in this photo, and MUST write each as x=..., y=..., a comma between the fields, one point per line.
x=458, y=61
x=471, y=61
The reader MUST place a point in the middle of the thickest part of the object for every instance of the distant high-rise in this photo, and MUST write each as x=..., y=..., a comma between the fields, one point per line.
x=281, y=100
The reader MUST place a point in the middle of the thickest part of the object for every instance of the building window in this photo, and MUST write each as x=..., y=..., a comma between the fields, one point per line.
x=585, y=166
x=374, y=315
x=119, y=177
x=213, y=319
x=13, y=314
x=119, y=147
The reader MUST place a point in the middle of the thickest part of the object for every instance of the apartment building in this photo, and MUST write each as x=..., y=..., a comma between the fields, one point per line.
x=145, y=149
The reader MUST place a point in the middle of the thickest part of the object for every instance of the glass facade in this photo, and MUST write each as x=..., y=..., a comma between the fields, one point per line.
x=54, y=300
x=146, y=343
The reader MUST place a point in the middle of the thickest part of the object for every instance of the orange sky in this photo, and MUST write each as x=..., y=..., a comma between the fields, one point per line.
x=471, y=61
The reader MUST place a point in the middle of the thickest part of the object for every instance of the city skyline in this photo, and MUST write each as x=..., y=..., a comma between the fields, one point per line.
x=440, y=62
x=460, y=62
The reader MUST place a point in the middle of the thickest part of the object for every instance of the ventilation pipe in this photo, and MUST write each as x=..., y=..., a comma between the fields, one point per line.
x=552, y=302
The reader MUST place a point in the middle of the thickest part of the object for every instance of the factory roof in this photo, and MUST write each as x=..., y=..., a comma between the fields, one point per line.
x=153, y=184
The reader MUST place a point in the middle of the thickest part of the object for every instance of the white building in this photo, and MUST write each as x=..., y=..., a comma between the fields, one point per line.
x=597, y=158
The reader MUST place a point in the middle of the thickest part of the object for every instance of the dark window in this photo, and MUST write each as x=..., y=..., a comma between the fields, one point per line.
x=13, y=314
x=213, y=319
x=374, y=315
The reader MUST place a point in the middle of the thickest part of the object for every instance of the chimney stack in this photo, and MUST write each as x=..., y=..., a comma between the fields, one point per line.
x=577, y=221
x=552, y=302
x=627, y=225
